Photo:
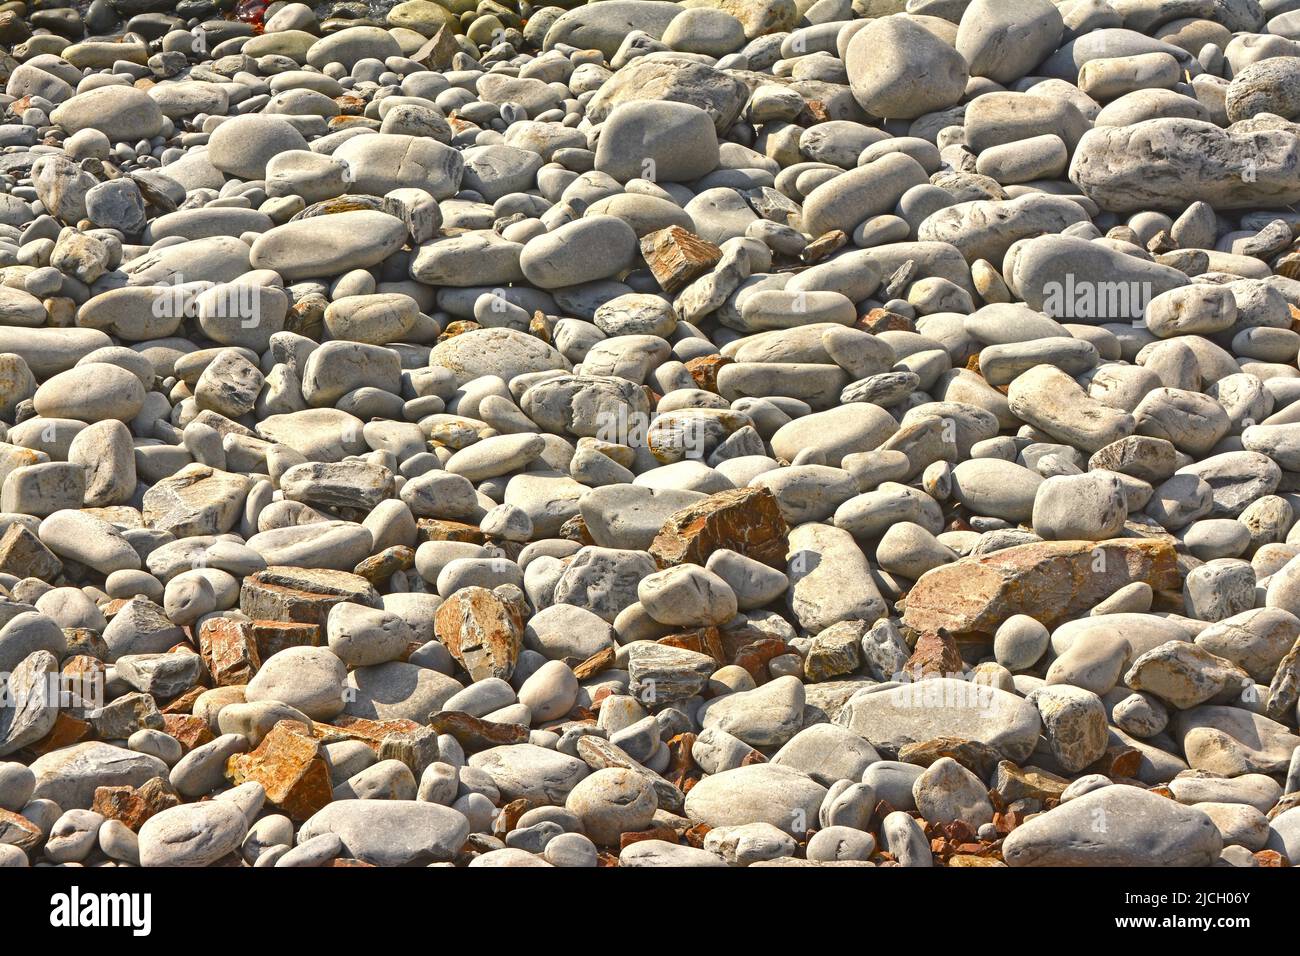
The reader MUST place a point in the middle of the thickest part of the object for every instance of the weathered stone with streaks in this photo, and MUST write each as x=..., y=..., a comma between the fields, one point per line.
x=483, y=632
x=1047, y=581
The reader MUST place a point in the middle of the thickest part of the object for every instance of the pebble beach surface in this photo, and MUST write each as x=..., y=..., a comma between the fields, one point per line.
x=637, y=433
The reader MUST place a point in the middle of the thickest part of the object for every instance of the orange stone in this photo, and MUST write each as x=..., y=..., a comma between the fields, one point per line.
x=882, y=320
x=435, y=529
x=67, y=730
x=1049, y=580
x=602, y=660
x=271, y=637
x=184, y=704
x=229, y=650
x=134, y=805
x=380, y=567
x=755, y=656
x=746, y=520
x=289, y=765
x=704, y=370
x=629, y=837
x=483, y=632
x=705, y=640
x=191, y=731
x=935, y=655
x=369, y=732
x=677, y=257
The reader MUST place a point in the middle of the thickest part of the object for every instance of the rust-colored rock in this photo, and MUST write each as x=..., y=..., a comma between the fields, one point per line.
x=229, y=651
x=302, y=595
x=677, y=257
x=1018, y=783
x=380, y=567
x=437, y=529
x=474, y=733
x=629, y=837
x=289, y=765
x=882, y=320
x=191, y=731
x=602, y=660
x=704, y=370
x=184, y=704
x=682, y=770
x=67, y=730
x=755, y=656
x=935, y=655
x=483, y=632
x=369, y=732
x=134, y=805
x=1050, y=581
x=746, y=520
x=509, y=816
x=704, y=640
x=542, y=326
x=17, y=830
x=694, y=836
x=823, y=246
x=1117, y=762
x=575, y=529
x=81, y=678
x=272, y=637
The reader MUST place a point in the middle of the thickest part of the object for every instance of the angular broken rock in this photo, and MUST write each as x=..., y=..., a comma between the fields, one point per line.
x=229, y=650
x=662, y=675
x=1049, y=581
x=134, y=805
x=746, y=520
x=475, y=733
x=289, y=765
x=1074, y=722
x=196, y=500
x=677, y=257
x=28, y=709
x=302, y=595
x=483, y=632
x=23, y=555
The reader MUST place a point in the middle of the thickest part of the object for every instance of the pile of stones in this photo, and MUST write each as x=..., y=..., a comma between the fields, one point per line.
x=638, y=433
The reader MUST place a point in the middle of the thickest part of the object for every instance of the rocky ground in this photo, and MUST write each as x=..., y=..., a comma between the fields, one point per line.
x=638, y=433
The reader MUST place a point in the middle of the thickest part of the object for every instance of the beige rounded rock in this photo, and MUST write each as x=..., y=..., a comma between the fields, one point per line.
x=612, y=802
